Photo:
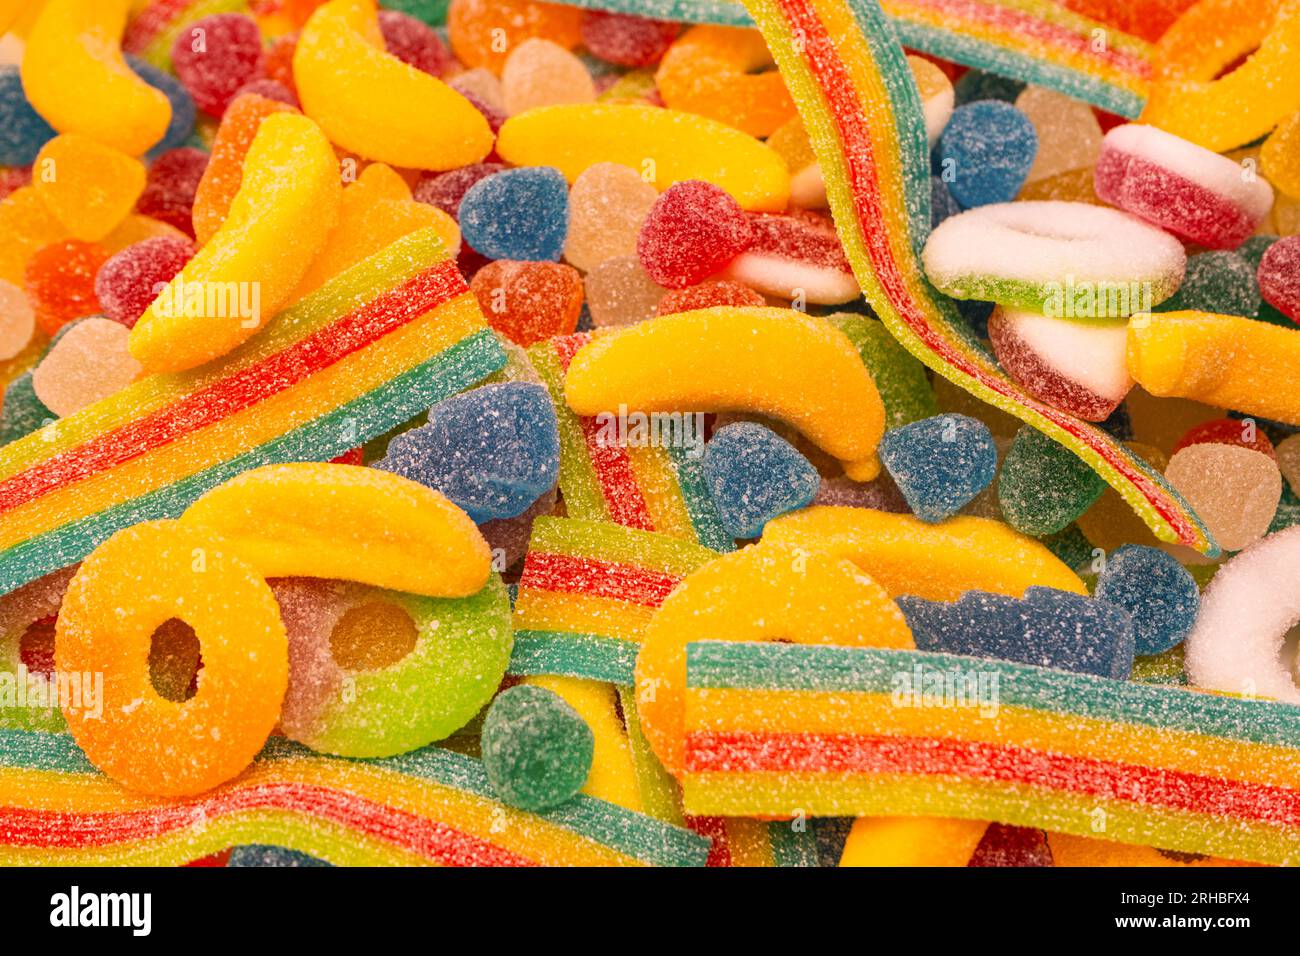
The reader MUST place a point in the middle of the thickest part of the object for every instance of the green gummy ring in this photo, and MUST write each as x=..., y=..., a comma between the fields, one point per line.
x=1070, y=260
x=462, y=648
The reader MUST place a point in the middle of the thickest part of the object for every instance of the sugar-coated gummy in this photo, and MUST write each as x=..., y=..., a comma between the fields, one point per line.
x=184, y=113
x=755, y=475
x=1159, y=594
x=517, y=214
x=1221, y=282
x=536, y=749
x=1043, y=486
x=493, y=450
x=22, y=130
x=986, y=150
x=940, y=463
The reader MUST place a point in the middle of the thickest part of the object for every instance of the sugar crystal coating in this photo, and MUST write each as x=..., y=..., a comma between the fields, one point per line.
x=940, y=463
x=536, y=749
x=755, y=475
x=1161, y=597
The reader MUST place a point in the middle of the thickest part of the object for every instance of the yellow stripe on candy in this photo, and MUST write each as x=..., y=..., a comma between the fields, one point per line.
x=538, y=610
x=662, y=493
x=911, y=841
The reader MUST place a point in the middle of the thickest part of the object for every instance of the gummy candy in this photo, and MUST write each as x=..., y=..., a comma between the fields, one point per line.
x=415, y=42
x=88, y=187
x=446, y=190
x=1223, y=360
x=1235, y=490
x=1042, y=486
x=378, y=106
x=691, y=232
x=88, y=361
x=937, y=96
x=181, y=126
x=912, y=841
x=60, y=281
x=375, y=346
x=797, y=258
x=1278, y=157
x=125, y=284
x=517, y=214
x=541, y=73
x=27, y=618
x=717, y=72
x=170, y=192
x=215, y=56
x=1279, y=276
x=1069, y=260
x=807, y=188
x=706, y=295
x=374, y=707
x=986, y=151
x=761, y=593
x=901, y=380
x=940, y=463
x=1158, y=593
x=483, y=32
x=529, y=301
x=738, y=359
x=665, y=146
x=1069, y=137
x=22, y=130
x=17, y=320
x=627, y=40
x=290, y=188
x=1221, y=282
x=1078, y=367
x=75, y=77
x=620, y=292
x=341, y=521
x=147, y=742
x=537, y=750
x=492, y=451
x=607, y=205
x=1046, y=628
x=23, y=413
x=1195, y=194
x=755, y=475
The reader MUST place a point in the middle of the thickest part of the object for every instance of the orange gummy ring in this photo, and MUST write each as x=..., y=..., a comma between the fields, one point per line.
x=1188, y=97
x=131, y=584
x=765, y=592
x=710, y=71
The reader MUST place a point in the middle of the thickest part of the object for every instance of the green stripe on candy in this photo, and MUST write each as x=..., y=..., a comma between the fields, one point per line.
x=795, y=667
x=699, y=502
x=450, y=371
x=606, y=541
x=791, y=846
x=591, y=656
x=578, y=483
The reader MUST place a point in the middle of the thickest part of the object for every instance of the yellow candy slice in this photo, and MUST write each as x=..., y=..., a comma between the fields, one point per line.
x=370, y=102
x=938, y=562
x=277, y=223
x=1222, y=360
x=613, y=772
x=664, y=146
x=795, y=367
x=912, y=841
x=762, y=593
x=89, y=187
x=347, y=522
x=376, y=209
x=1279, y=159
x=75, y=76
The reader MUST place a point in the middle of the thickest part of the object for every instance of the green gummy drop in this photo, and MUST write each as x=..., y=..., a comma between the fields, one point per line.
x=537, y=750
x=1044, y=486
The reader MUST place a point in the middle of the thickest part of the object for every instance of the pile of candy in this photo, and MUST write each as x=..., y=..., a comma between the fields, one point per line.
x=659, y=432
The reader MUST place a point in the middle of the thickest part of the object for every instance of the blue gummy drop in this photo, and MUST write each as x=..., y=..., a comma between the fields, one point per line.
x=942, y=205
x=22, y=130
x=940, y=463
x=755, y=475
x=492, y=450
x=520, y=214
x=181, y=126
x=1047, y=628
x=986, y=151
x=1159, y=594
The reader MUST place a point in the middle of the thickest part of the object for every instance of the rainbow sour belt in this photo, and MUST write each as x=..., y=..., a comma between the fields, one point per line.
x=366, y=352
x=432, y=806
x=855, y=92
x=1037, y=41
x=647, y=487
x=778, y=729
x=587, y=591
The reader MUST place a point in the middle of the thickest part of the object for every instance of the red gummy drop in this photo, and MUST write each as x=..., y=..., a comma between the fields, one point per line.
x=1279, y=276
x=1242, y=433
x=706, y=295
x=128, y=282
x=692, y=231
x=171, y=185
x=215, y=56
x=60, y=282
x=529, y=301
x=412, y=41
x=1004, y=845
x=625, y=39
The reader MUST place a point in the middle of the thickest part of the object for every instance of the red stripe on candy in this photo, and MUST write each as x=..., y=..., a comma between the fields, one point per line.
x=276, y=373
x=608, y=579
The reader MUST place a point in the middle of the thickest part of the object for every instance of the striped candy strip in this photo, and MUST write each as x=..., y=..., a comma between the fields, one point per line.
x=587, y=591
x=1037, y=41
x=369, y=350
x=431, y=806
x=152, y=31
x=850, y=80
x=775, y=729
x=647, y=487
